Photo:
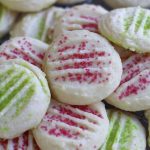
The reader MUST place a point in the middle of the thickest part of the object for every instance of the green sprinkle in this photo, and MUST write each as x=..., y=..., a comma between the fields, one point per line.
x=10, y=84
x=41, y=29
x=9, y=98
x=128, y=22
x=127, y=134
x=22, y=103
x=139, y=20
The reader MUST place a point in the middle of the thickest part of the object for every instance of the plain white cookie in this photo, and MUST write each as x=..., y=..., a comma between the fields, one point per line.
x=38, y=25
x=133, y=92
x=125, y=132
x=82, y=67
x=69, y=1
x=24, y=142
x=67, y=127
x=127, y=27
x=25, y=48
x=128, y=3
x=7, y=19
x=80, y=17
x=24, y=97
x=27, y=5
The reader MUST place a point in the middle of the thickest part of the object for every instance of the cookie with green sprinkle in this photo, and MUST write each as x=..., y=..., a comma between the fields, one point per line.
x=24, y=97
x=38, y=25
x=125, y=132
x=127, y=27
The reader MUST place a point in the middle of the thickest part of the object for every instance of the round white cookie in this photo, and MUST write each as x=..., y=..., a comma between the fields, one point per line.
x=27, y=5
x=81, y=17
x=24, y=142
x=69, y=1
x=82, y=67
x=127, y=3
x=133, y=92
x=125, y=132
x=26, y=48
x=38, y=25
x=24, y=97
x=7, y=19
x=127, y=27
x=66, y=127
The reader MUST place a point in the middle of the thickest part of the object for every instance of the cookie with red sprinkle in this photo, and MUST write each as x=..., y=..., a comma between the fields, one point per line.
x=23, y=142
x=82, y=68
x=133, y=92
x=81, y=17
x=25, y=48
x=67, y=127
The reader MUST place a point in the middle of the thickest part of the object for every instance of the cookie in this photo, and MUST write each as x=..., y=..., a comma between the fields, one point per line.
x=125, y=132
x=38, y=25
x=127, y=3
x=81, y=17
x=82, y=67
x=27, y=6
x=7, y=19
x=26, y=48
x=133, y=91
x=24, y=97
x=127, y=27
x=66, y=127
x=23, y=142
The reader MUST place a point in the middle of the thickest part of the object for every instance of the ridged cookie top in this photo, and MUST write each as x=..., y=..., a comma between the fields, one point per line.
x=23, y=87
x=80, y=64
x=133, y=91
x=128, y=27
x=73, y=127
x=23, y=142
x=81, y=17
x=25, y=48
x=125, y=132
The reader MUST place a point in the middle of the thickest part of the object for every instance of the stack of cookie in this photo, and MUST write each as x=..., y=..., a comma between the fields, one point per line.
x=62, y=65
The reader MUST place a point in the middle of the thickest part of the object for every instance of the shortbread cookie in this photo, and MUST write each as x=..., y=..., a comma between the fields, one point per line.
x=23, y=142
x=38, y=25
x=24, y=97
x=82, y=67
x=26, y=48
x=27, y=5
x=69, y=1
x=80, y=17
x=127, y=27
x=133, y=92
x=125, y=132
x=66, y=127
x=7, y=19
x=127, y=3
